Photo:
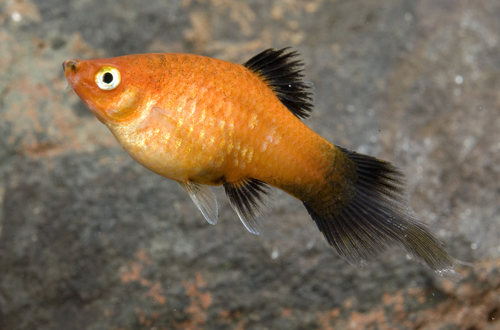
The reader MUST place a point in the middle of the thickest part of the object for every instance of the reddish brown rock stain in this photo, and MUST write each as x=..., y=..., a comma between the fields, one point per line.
x=324, y=319
x=155, y=293
x=471, y=304
x=132, y=273
x=199, y=303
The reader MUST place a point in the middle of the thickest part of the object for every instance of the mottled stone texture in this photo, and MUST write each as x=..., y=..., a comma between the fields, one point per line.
x=91, y=240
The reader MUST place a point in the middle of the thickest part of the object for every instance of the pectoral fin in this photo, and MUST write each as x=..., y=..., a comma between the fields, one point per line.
x=204, y=199
x=250, y=199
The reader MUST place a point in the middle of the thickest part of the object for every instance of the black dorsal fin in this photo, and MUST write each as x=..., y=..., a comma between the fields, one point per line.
x=282, y=71
x=250, y=198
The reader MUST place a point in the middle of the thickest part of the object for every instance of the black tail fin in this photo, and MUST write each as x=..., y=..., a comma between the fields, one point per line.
x=378, y=216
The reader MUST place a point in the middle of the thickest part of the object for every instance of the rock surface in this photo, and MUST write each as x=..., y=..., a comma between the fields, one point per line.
x=91, y=240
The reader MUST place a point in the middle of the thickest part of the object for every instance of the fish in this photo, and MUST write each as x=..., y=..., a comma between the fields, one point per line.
x=205, y=122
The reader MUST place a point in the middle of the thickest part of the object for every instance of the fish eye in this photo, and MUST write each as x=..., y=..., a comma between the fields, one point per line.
x=108, y=78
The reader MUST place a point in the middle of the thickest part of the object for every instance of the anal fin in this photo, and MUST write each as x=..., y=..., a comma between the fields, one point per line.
x=203, y=198
x=250, y=199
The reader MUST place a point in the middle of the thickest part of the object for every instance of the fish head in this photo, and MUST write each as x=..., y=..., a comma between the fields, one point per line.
x=108, y=87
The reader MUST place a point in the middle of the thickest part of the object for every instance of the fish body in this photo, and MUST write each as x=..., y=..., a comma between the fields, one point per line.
x=205, y=122
x=193, y=123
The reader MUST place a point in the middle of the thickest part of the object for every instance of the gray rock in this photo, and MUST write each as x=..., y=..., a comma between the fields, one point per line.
x=91, y=240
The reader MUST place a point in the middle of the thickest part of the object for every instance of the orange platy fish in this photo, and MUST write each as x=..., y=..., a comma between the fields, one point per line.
x=205, y=122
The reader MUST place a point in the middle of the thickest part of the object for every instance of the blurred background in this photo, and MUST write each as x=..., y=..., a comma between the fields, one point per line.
x=89, y=239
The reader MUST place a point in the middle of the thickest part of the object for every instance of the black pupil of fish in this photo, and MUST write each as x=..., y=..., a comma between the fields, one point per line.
x=107, y=78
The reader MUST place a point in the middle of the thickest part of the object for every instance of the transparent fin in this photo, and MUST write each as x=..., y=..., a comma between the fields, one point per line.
x=251, y=201
x=204, y=199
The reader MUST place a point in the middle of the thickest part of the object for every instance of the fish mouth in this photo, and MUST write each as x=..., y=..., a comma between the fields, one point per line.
x=70, y=65
x=70, y=68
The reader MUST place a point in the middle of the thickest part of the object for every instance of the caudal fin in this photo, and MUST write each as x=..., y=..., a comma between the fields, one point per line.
x=377, y=216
